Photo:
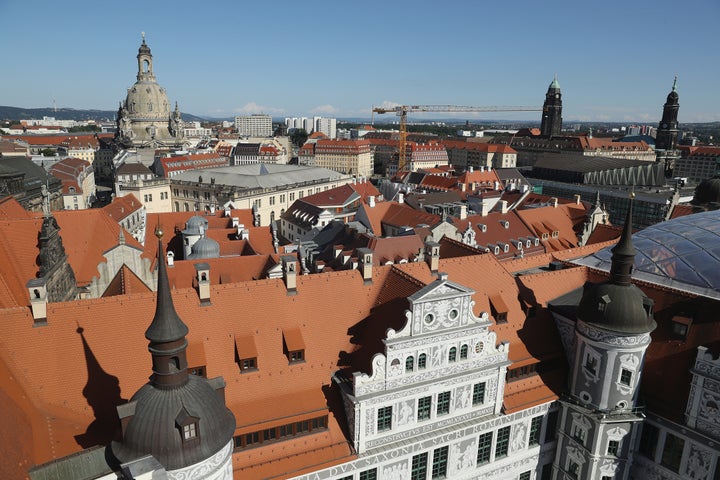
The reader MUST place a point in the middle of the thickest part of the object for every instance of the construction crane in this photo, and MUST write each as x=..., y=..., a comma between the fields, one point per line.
x=402, y=111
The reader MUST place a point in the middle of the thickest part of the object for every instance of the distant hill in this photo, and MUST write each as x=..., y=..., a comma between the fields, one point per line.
x=19, y=113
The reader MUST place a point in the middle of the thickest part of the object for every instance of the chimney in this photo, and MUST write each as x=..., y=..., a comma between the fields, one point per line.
x=170, y=258
x=235, y=220
x=401, y=198
x=470, y=169
x=577, y=198
x=484, y=208
x=203, y=280
x=365, y=256
x=37, y=287
x=212, y=209
x=371, y=201
x=463, y=187
x=497, y=185
x=463, y=211
x=227, y=211
x=432, y=255
x=289, y=268
x=554, y=202
x=504, y=206
x=243, y=233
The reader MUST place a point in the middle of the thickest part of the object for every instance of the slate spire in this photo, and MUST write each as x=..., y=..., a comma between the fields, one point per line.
x=623, y=254
x=166, y=334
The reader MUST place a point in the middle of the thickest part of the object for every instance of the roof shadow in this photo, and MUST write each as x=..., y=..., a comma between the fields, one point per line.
x=102, y=392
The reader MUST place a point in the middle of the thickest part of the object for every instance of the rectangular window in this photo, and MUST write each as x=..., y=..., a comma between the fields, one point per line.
x=296, y=356
x=524, y=476
x=573, y=469
x=248, y=364
x=672, y=452
x=626, y=377
x=384, y=419
x=503, y=440
x=579, y=433
x=613, y=447
x=478, y=394
x=303, y=426
x=591, y=364
x=546, y=473
x=252, y=438
x=189, y=431
x=551, y=428
x=292, y=196
x=269, y=434
x=484, y=448
x=368, y=474
x=418, y=470
x=443, y=405
x=424, y=405
x=535, y=426
x=440, y=458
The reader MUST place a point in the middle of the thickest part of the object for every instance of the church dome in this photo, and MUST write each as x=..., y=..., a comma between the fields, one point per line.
x=205, y=248
x=147, y=100
x=707, y=191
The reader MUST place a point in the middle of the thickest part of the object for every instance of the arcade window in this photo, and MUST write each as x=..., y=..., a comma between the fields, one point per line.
x=422, y=361
x=368, y=474
x=409, y=363
x=535, y=426
x=452, y=355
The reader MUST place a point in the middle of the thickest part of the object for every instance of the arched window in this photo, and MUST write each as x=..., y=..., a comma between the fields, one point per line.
x=409, y=363
x=272, y=216
x=422, y=361
x=463, y=352
x=452, y=355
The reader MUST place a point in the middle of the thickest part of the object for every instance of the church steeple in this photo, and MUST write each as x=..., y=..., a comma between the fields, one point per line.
x=667, y=134
x=551, y=124
x=144, y=58
x=166, y=334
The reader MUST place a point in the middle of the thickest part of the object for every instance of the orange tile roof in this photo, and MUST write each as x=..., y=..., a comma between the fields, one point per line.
x=122, y=207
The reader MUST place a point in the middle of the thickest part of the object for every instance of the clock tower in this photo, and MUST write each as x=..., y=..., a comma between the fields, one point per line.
x=552, y=111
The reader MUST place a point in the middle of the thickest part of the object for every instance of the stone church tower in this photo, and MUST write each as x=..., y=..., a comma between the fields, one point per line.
x=599, y=421
x=667, y=134
x=176, y=425
x=552, y=111
x=144, y=119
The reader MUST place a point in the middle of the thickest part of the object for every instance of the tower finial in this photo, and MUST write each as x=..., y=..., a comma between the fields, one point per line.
x=675, y=84
x=143, y=36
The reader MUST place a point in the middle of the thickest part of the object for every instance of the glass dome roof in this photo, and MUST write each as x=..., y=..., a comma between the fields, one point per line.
x=682, y=253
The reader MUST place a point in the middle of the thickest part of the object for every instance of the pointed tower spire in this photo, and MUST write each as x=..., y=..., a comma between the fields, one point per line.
x=623, y=254
x=166, y=333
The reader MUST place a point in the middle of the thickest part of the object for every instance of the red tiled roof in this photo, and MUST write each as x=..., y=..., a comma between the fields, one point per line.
x=122, y=207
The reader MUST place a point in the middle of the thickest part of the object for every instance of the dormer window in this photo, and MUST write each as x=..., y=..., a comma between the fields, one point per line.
x=681, y=326
x=294, y=344
x=189, y=431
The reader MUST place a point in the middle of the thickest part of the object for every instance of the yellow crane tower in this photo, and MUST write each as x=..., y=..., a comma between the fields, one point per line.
x=402, y=111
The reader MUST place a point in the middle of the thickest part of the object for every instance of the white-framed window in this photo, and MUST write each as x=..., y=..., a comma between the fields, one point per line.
x=189, y=431
x=591, y=362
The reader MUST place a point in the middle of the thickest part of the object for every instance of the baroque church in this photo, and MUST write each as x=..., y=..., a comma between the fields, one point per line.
x=145, y=118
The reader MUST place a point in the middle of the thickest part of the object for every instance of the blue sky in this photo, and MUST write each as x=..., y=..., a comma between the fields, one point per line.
x=615, y=61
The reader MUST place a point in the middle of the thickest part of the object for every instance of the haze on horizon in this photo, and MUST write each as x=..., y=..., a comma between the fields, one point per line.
x=615, y=61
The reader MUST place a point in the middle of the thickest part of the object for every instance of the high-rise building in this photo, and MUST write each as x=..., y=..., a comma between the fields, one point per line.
x=552, y=111
x=255, y=125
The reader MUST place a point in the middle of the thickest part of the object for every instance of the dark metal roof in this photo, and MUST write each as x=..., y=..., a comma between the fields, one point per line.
x=583, y=164
x=154, y=428
x=166, y=325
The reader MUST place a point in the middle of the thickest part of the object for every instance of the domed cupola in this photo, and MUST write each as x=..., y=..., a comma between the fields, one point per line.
x=178, y=418
x=708, y=191
x=204, y=248
x=192, y=227
x=617, y=305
